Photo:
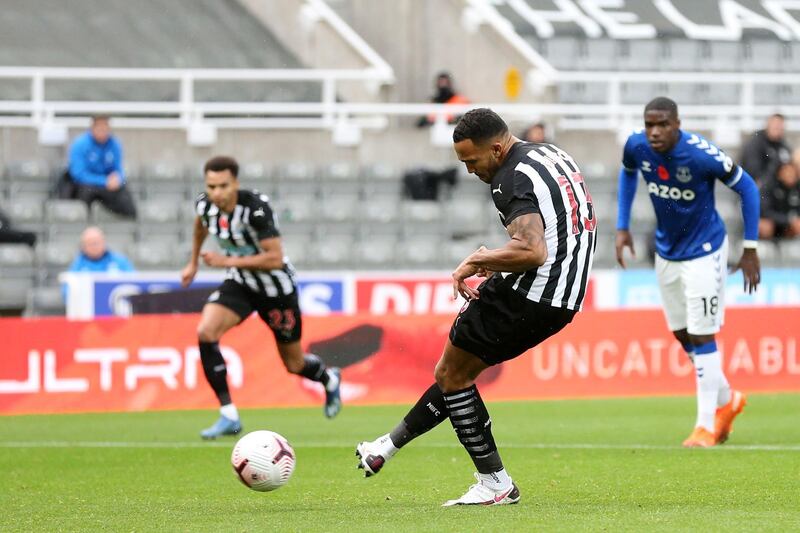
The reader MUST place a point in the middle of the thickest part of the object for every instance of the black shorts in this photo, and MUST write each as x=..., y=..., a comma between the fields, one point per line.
x=503, y=324
x=281, y=314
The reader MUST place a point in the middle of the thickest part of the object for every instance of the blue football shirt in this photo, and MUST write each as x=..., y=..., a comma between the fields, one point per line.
x=681, y=186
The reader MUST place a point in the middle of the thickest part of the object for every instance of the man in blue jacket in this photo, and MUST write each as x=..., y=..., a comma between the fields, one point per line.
x=95, y=166
x=95, y=257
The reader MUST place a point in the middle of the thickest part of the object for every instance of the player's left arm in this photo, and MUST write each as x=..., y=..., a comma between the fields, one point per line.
x=745, y=186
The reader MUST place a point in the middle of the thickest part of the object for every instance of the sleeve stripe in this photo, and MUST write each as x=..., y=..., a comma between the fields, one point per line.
x=736, y=178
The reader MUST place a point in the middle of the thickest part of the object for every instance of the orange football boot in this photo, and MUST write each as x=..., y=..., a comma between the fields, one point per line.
x=723, y=420
x=700, y=438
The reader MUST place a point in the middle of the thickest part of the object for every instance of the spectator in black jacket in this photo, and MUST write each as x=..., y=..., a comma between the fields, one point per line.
x=766, y=150
x=780, y=204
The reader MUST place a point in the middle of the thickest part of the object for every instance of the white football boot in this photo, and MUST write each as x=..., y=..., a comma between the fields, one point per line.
x=480, y=494
x=373, y=455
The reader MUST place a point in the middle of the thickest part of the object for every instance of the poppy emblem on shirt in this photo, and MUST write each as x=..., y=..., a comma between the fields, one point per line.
x=223, y=223
x=663, y=174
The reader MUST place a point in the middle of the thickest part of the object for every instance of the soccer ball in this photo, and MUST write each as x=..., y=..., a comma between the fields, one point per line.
x=263, y=460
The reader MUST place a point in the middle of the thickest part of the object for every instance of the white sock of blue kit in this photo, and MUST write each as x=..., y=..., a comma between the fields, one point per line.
x=708, y=371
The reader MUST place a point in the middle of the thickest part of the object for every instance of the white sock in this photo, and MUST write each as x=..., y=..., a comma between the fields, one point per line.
x=229, y=411
x=385, y=446
x=496, y=480
x=724, y=393
x=333, y=380
x=709, y=376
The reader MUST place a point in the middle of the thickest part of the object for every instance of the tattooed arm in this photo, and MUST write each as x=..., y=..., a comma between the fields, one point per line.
x=525, y=250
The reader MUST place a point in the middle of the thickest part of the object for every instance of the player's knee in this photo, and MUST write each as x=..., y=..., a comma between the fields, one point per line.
x=449, y=379
x=208, y=333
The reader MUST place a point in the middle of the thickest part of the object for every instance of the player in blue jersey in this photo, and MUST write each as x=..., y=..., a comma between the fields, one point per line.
x=681, y=170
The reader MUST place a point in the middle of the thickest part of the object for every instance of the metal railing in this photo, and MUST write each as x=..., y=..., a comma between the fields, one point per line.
x=613, y=114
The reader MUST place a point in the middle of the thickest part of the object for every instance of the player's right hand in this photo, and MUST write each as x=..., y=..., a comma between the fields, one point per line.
x=187, y=274
x=623, y=240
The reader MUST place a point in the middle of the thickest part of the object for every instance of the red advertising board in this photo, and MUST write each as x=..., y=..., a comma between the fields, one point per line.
x=53, y=365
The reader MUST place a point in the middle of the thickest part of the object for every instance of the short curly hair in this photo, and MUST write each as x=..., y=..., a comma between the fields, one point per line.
x=479, y=125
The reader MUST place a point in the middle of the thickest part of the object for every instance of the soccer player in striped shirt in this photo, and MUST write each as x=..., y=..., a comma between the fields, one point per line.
x=259, y=278
x=535, y=285
x=681, y=169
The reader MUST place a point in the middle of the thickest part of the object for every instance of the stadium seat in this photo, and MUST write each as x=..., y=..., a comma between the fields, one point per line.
x=789, y=250
x=719, y=93
x=424, y=251
x=562, y=52
x=600, y=54
x=18, y=256
x=684, y=54
x=73, y=211
x=641, y=55
x=171, y=232
x=421, y=210
x=14, y=291
x=763, y=56
x=99, y=215
x=725, y=56
x=341, y=206
x=294, y=209
x=466, y=217
x=45, y=301
x=296, y=250
x=768, y=253
x=583, y=93
x=334, y=252
x=23, y=210
x=56, y=254
x=455, y=251
x=153, y=255
x=381, y=209
x=27, y=170
x=605, y=252
x=162, y=210
x=339, y=171
x=378, y=252
x=639, y=93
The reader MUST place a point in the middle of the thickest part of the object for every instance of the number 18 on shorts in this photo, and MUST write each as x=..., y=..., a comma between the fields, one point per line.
x=693, y=291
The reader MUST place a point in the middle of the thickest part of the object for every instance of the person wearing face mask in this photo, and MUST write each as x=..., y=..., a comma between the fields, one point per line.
x=445, y=94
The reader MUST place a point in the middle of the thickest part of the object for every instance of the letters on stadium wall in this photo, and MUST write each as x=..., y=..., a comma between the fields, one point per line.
x=720, y=20
x=152, y=362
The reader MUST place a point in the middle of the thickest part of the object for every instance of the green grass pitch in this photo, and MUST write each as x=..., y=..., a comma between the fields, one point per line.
x=600, y=465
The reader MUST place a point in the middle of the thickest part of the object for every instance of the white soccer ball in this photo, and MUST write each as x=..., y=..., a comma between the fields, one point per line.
x=263, y=460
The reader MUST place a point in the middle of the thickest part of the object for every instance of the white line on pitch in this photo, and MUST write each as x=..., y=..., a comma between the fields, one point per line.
x=533, y=445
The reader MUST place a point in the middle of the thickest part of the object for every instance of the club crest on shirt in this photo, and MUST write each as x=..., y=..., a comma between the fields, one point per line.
x=683, y=174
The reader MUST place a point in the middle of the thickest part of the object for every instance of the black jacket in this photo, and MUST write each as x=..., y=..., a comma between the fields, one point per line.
x=779, y=203
x=762, y=157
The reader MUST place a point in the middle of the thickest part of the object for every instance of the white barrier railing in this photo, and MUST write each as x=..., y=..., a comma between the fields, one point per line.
x=185, y=111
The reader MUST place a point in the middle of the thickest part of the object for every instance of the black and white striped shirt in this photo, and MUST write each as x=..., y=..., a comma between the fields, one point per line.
x=544, y=179
x=239, y=233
